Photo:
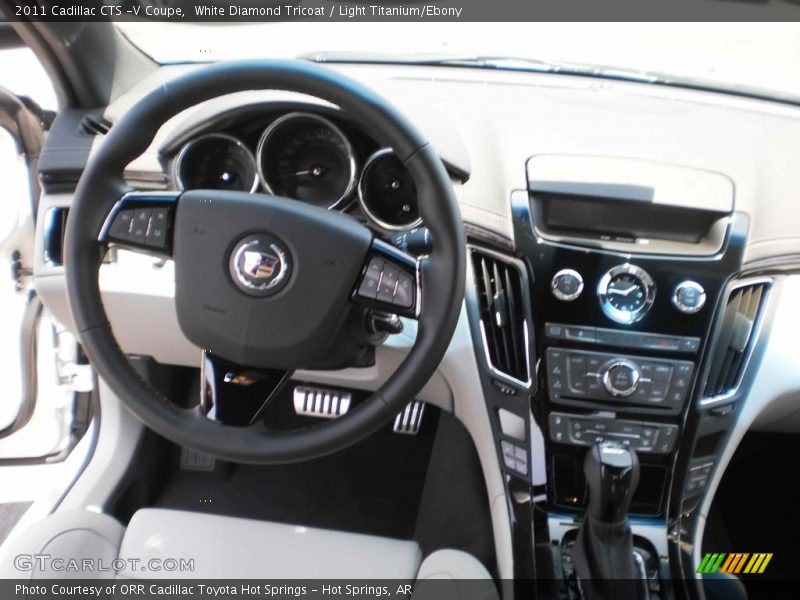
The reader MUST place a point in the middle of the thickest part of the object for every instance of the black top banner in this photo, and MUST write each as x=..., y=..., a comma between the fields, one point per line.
x=243, y=11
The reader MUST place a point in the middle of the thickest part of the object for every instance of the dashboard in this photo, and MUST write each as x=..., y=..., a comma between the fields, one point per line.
x=308, y=155
x=630, y=248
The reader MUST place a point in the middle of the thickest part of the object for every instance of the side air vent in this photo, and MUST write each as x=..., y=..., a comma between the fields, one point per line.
x=736, y=338
x=503, y=320
x=92, y=125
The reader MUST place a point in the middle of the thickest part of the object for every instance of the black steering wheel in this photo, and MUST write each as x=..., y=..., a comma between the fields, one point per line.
x=260, y=280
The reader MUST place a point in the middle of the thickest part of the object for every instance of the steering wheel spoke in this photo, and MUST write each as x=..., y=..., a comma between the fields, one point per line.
x=390, y=281
x=142, y=221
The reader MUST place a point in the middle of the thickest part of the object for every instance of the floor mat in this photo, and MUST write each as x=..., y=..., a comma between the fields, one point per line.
x=10, y=514
x=428, y=487
x=372, y=487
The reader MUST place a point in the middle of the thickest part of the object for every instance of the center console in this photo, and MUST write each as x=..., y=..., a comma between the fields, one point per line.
x=625, y=265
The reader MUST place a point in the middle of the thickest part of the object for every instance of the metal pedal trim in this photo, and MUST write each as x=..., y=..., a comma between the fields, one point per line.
x=194, y=460
x=409, y=421
x=321, y=402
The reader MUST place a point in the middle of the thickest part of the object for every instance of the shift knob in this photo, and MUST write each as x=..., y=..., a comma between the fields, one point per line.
x=612, y=474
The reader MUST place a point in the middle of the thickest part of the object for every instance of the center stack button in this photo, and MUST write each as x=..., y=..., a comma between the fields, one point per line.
x=620, y=378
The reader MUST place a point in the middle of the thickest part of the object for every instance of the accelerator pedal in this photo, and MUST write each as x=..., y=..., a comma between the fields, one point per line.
x=320, y=402
x=409, y=421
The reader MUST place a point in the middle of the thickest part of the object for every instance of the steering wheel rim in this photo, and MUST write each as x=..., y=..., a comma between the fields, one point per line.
x=441, y=274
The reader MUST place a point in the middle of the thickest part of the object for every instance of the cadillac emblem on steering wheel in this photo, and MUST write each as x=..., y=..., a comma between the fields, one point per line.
x=259, y=265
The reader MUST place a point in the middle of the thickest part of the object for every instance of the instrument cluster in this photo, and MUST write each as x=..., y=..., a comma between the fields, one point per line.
x=307, y=157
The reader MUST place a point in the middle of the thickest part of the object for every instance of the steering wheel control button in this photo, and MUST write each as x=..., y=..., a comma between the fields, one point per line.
x=404, y=295
x=259, y=265
x=121, y=226
x=621, y=378
x=372, y=278
x=141, y=220
x=689, y=297
x=388, y=283
x=567, y=285
x=156, y=236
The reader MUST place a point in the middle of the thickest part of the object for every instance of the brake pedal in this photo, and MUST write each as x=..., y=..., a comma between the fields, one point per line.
x=320, y=402
x=410, y=420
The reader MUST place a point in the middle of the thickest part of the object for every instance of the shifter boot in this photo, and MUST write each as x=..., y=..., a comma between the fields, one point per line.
x=603, y=560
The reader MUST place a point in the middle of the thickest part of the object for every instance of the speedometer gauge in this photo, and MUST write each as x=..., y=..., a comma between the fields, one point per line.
x=306, y=157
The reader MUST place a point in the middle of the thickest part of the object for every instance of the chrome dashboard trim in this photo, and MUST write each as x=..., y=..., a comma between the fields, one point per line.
x=520, y=266
x=279, y=122
x=706, y=402
x=374, y=157
x=621, y=316
x=176, y=164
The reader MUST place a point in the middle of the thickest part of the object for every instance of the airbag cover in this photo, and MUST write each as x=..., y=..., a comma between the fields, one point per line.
x=317, y=254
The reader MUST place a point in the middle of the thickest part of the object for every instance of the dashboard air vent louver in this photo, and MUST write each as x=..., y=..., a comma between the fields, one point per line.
x=92, y=125
x=736, y=337
x=502, y=315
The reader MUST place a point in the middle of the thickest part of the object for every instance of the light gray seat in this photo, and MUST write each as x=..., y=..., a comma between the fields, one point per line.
x=225, y=548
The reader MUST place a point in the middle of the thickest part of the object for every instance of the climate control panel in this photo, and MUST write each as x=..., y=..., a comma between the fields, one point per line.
x=586, y=430
x=581, y=377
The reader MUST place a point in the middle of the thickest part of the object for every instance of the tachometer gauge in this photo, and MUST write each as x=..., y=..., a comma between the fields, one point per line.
x=306, y=157
x=387, y=192
x=626, y=293
x=216, y=161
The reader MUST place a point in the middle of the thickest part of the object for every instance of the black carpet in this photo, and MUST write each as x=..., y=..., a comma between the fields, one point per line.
x=373, y=487
x=428, y=487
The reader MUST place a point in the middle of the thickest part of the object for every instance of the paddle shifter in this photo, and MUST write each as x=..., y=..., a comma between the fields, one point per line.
x=603, y=551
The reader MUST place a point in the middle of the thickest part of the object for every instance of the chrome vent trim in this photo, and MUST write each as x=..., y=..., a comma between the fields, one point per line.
x=736, y=337
x=504, y=313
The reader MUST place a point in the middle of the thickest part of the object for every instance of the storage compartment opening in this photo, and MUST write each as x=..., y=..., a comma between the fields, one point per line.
x=621, y=220
x=569, y=489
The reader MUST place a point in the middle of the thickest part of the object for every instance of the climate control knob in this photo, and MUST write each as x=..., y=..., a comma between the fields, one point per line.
x=621, y=378
x=567, y=285
x=689, y=297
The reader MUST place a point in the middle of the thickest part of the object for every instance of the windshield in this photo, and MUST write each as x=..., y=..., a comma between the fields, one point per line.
x=761, y=58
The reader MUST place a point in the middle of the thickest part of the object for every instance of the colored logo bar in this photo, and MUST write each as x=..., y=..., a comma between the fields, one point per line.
x=735, y=562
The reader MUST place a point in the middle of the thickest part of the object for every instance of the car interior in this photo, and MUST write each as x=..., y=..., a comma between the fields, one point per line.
x=341, y=317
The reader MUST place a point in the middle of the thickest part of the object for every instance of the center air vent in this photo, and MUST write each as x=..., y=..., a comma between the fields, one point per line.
x=736, y=338
x=502, y=314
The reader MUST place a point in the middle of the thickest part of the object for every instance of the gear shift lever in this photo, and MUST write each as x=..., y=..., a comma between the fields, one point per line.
x=603, y=550
x=612, y=474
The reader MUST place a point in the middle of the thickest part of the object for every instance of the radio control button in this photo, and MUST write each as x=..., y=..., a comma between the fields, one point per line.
x=580, y=334
x=621, y=378
x=689, y=297
x=567, y=285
